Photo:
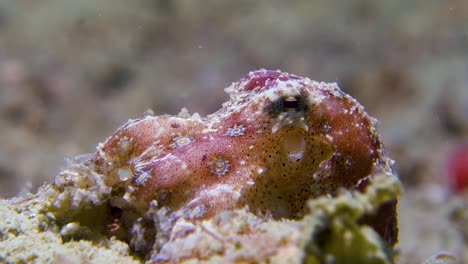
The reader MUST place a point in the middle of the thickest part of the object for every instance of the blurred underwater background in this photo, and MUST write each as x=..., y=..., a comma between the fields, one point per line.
x=71, y=72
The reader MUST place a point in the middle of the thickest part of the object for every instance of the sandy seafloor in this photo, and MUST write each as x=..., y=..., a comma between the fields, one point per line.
x=71, y=72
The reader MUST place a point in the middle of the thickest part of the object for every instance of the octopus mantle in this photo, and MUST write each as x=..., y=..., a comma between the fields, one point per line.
x=279, y=141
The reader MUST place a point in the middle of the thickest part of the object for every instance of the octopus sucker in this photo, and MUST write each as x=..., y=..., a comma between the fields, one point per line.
x=280, y=141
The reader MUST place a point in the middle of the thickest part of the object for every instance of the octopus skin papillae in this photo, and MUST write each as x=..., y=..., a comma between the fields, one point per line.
x=280, y=140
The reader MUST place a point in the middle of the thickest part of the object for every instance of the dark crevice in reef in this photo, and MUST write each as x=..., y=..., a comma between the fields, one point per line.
x=88, y=223
x=102, y=222
x=383, y=221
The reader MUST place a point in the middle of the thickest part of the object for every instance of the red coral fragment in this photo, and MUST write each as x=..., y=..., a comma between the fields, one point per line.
x=458, y=168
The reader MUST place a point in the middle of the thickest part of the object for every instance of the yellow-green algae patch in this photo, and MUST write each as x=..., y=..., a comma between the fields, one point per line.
x=34, y=231
x=338, y=236
x=330, y=233
x=30, y=234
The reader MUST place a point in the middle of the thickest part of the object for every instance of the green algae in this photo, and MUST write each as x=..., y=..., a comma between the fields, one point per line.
x=42, y=229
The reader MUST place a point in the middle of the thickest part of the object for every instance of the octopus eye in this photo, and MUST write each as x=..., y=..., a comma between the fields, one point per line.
x=290, y=103
x=285, y=104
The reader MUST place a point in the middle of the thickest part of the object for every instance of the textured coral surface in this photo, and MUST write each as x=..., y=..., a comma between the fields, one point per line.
x=36, y=232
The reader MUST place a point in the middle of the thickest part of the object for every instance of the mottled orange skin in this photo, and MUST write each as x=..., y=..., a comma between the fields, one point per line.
x=286, y=153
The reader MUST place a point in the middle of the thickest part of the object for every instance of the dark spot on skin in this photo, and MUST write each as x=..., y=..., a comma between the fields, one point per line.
x=175, y=125
x=163, y=197
x=204, y=157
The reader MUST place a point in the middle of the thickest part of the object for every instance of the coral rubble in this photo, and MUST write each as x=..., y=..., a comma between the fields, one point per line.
x=289, y=170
